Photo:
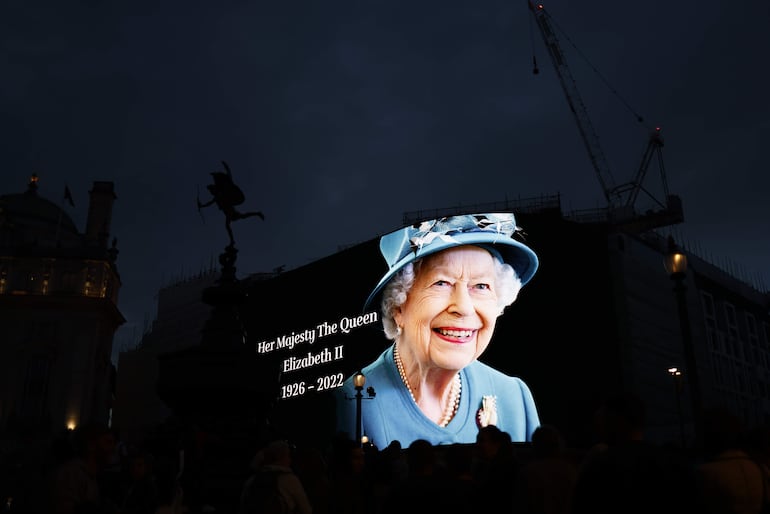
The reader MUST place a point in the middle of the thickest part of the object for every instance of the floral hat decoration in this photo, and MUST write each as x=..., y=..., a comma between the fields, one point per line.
x=495, y=232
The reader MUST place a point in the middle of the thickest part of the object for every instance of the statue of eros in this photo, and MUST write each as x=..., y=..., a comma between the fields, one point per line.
x=226, y=194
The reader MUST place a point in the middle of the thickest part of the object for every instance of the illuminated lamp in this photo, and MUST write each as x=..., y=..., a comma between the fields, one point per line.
x=675, y=263
x=359, y=379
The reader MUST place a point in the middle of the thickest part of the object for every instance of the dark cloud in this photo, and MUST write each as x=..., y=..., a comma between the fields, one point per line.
x=338, y=117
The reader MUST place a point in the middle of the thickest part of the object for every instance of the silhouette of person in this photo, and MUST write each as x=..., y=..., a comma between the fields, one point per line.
x=424, y=488
x=273, y=470
x=729, y=479
x=76, y=485
x=496, y=467
x=546, y=481
x=226, y=194
x=631, y=474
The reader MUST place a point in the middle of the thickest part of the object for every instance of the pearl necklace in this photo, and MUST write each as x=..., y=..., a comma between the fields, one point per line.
x=454, y=394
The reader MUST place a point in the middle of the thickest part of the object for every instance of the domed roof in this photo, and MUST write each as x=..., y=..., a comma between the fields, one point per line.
x=33, y=215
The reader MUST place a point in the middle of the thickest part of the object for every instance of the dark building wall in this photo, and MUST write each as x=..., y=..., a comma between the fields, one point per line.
x=599, y=316
x=734, y=338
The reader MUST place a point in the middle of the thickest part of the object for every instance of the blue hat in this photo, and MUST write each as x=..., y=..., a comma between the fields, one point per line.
x=493, y=231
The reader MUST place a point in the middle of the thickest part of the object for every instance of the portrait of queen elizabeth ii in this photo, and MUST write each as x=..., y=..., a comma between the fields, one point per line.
x=448, y=280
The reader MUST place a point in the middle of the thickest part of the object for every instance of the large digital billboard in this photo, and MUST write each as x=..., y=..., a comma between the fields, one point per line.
x=415, y=312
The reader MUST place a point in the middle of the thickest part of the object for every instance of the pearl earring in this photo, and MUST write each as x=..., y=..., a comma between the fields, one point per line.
x=398, y=330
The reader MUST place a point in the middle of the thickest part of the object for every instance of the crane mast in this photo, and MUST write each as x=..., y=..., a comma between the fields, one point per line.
x=576, y=105
x=620, y=198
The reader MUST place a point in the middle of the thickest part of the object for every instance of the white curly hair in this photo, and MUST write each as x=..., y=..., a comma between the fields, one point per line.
x=394, y=295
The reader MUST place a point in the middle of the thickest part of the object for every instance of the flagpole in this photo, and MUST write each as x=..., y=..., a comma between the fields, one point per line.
x=58, y=223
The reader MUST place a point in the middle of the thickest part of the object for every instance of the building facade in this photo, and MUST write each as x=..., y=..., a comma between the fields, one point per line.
x=601, y=315
x=180, y=319
x=58, y=312
x=723, y=322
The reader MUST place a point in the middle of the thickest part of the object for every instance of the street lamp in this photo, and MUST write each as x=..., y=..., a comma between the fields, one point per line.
x=359, y=379
x=676, y=374
x=676, y=267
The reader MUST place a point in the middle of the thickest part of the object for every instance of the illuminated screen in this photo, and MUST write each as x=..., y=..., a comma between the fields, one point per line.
x=311, y=332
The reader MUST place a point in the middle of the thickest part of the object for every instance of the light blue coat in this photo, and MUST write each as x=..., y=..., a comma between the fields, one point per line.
x=393, y=415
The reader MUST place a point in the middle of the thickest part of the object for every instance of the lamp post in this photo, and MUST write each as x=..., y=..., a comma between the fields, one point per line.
x=676, y=266
x=358, y=382
x=676, y=374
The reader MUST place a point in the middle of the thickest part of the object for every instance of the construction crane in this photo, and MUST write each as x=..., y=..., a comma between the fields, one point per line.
x=620, y=198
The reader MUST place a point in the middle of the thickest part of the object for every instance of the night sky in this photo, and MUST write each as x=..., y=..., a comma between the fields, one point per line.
x=338, y=117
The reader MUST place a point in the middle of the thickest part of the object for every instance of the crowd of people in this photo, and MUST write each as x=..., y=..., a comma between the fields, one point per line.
x=93, y=472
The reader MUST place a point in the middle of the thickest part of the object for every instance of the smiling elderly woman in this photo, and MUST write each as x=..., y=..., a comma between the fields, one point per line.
x=448, y=281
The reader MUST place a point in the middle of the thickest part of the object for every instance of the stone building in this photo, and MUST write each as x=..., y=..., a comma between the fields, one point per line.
x=58, y=311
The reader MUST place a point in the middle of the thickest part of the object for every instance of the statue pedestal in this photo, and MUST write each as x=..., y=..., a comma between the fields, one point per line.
x=217, y=388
